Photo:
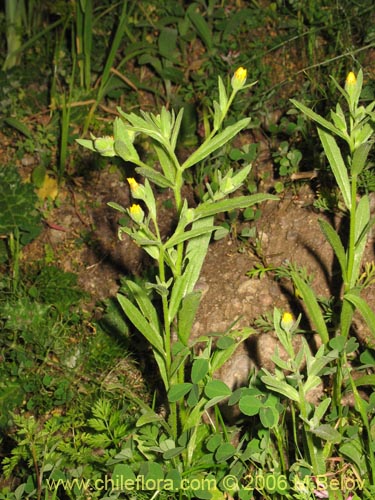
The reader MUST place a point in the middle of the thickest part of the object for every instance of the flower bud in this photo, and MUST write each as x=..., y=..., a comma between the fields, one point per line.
x=350, y=81
x=287, y=321
x=105, y=145
x=239, y=78
x=136, y=213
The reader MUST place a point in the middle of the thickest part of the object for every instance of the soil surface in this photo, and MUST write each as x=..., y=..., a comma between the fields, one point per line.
x=82, y=233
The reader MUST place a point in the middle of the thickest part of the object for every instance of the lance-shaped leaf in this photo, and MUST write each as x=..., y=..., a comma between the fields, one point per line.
x=337, y=164
x=360, y=157
x=319, y=119
x=362, y=226
x=281, y=387
x=211, y=145
x=312, y=306
x=155, y=177
x=364, y=309
x=334, y=240
x=212, y=208
x=148, y=330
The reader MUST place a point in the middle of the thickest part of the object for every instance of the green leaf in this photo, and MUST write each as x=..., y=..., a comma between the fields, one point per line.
x=319, y=119
x=360, y=158
x=144, y=303
x=196, y=251
x=211, y=145
x=97, y=424
x=199, y=370
x=364, y=134
x=225, y=452
x=148, y=418
x=217, y=388
x=335, y=242
x=175, y=239
x=123, y=143
x=122, y=472
x=155, y=177
x=167, y=42
x=174, y=476
x=21, y=127
x=316, y=364
x=117, y=207
x=222, y=355
x=312, y=306
x=337, y=164
x=144, y=125
x=328, y=433
x=212, y=208
x=162, y=365
x=321, y=409
x=17, y=206
x=86, y=143
x=312, y=381
x=339, y=120
x=363, y=308
x=200, y=24
x=193, y=397
x=186, y=316
x=362, y=226
x=154, y=471
x=354, y=451
x=223, y=99
x=365, y=380
x=269, y=416
x=346, y=317
x=167, y=166
x=174, y=452
x=177, y=294
x=281, y=387
x=225, y=342
x=250, y=405
x=214, y=442
x=148, y=330
x=176, y=129
x=178, y=391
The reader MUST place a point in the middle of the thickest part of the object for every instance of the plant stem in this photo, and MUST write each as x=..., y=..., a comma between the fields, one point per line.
x=352, y=229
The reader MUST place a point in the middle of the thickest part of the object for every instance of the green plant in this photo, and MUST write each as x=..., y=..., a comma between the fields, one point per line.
x=179, y=257
x=61, y=453
x=355, y=132
x=346, y=141
x=37, y=322
x=20, y=222
x=14, y=12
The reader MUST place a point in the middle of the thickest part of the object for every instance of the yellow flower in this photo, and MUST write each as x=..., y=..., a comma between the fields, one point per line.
x=287, y=320
x=239, y=78
x=132, y=183
x=137, y=190
x=136, y=213
x=351, y=79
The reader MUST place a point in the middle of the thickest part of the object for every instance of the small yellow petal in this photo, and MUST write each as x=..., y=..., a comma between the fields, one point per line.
x=132, y=183
x=136, y=213
x=241, y=74
x=49, y=188
x=287, y=317
x=239, y=78
x=135, y=209
x=287, y=321
x=351, y=79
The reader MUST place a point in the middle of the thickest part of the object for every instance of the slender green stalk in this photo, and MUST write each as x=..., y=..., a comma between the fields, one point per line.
x=106, y=74
x=14, y=11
